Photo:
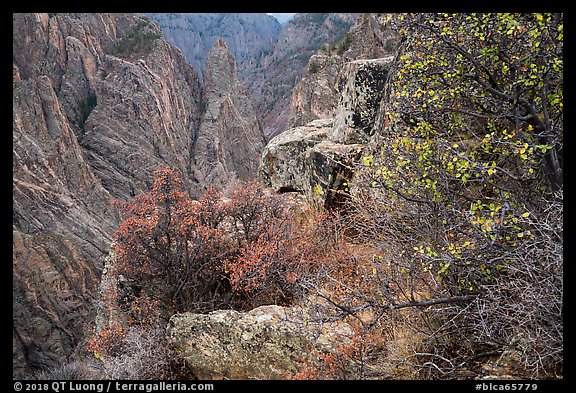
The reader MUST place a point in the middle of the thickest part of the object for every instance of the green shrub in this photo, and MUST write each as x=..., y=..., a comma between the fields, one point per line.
x=313, y=68
x=139, y=39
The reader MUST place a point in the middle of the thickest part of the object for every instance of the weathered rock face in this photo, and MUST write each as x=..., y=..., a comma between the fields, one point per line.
x=230, y=138
x=53, y=186
x=90, y=120
x=362, y=85
x=265, y=343
x=62, y=218
x=147, y=114
x=303, y=159
x=312, y=158
x=335, y=109
x=52, y=300
x=316, y=95
x=131, y=109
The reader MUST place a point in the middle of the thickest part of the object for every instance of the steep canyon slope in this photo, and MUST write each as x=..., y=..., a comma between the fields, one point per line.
x=99, y=101
x=271, y=59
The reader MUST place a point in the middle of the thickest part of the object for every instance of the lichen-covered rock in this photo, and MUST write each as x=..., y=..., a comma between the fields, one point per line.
x=283, y=165
x=302, y=159
x=313, y=158
x=330, y=171
x=267, y=342
x=362, y=85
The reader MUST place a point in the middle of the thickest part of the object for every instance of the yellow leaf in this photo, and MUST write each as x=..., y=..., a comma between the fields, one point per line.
x=374, y=271
x=525, y=215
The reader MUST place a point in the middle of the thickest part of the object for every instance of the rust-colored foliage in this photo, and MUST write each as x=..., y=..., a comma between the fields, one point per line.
x=168, y=246
x=107, y=341
x=176, y=254
x=286, y=256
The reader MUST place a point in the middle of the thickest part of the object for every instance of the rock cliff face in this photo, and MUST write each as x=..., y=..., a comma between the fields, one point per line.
x=250, y=37
x=53, y=295
x=62, y=218
x=362, y=85
x=316, y=95
x=230, y=137
x=264, y=343
x=147, y=114
x=270, y=58
x=335, y=110
x=99, y=101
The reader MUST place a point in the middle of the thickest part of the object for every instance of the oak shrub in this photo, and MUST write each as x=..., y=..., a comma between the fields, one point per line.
x=175, y=254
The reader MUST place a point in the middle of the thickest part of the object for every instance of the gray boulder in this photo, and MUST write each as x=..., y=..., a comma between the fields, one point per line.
x=313, y=159
x=267, y=342
x=361, y=90
x=304, y=160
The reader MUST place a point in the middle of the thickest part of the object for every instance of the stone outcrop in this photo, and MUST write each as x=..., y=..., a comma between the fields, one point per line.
x=327, y=77
x=268, y=342
x=335, y=111
x=303, y=159
x=316, y=95
x=312, y=159
x=361, y=90
x=230, y=138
